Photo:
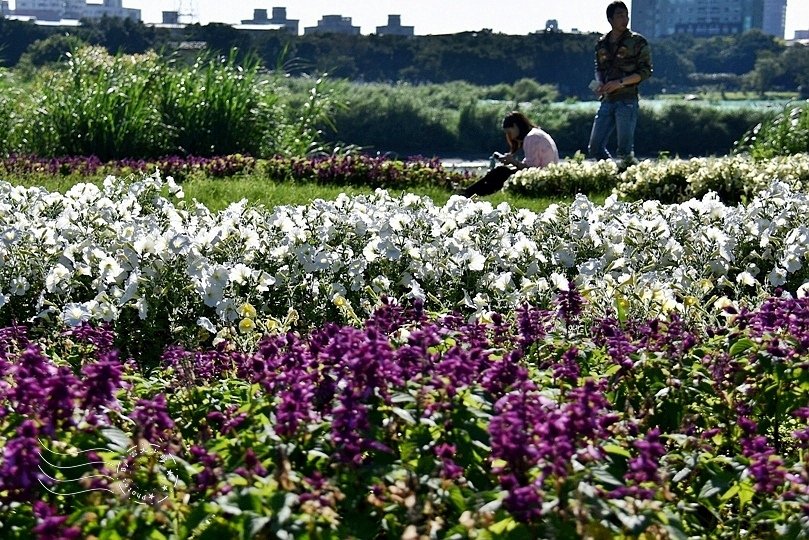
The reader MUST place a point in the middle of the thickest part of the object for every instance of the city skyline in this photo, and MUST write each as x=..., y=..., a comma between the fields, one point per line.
x=426, y=16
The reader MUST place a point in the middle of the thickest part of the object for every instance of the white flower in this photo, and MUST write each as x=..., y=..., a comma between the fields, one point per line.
x=205, y=322
x=110, y=269
x=56, y=278
x=777, y=277
x=73, y=314
x=212, y=292
x=560, y=282
x=476, y=260
x=503, y=281
x=399, y=221
x=371, y=250
x=240, y=274
x=746, y=278
x=19, y=286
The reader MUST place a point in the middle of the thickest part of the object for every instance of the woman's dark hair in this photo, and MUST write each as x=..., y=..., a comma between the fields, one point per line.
x=524, y=125
x=613, y=6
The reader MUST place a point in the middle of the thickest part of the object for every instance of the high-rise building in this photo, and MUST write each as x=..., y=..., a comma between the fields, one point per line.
x=333, y=24
x=774, y=17
x=704, y=18
x=55, y=10
x=279, y=19
x=395, y=28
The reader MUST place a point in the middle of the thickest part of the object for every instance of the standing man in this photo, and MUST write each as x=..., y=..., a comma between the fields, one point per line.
x=623, y=60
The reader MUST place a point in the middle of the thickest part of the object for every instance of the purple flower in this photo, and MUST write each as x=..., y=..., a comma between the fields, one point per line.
x=152, y=418
x=530, y=432
x=569, y=303
x=449, y=469
x=101, y=337
x=19, y=472
x=645, y=466
x=568, y=368
x=532, y=324
x=502, y=375
x=50, y=525
x=619, y=346
x=294, y=408
x=802, y=434
x=12, y=338
x=234, y=420
x=32, y=372
x=63, y=388
x=208, y=477
x=766, y=468
x=252, y=466
x=349, y=428
x=102, y=379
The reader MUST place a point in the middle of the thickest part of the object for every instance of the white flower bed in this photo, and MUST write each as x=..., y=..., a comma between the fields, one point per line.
x=128, y=251
x=665, y=179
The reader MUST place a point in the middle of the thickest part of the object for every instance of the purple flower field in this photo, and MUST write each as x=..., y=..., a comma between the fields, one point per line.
x=535, y=424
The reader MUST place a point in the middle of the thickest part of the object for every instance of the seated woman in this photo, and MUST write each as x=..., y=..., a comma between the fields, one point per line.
x=537, y=146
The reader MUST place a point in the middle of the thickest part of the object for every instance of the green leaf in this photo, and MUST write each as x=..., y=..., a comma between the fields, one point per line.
x=741, y=346
x=119, y=441
x=402, y=397
x=503, y=526
x=605, y=477
x=681, y=474
x=746, y=493
x=198, y=514
x=729, y=494
x=257, y=523
x=404, y=415
x=457, y=498
x=616, y=450
x=711, y=488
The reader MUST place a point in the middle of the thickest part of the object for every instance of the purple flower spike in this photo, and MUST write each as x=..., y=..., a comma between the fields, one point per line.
x=19, y=471
x=153, y=418
x=51, y=526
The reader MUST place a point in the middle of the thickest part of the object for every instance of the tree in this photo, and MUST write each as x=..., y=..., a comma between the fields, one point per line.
x=16, y=37
x=50, y=50
x=117, y=35
x=767, y=69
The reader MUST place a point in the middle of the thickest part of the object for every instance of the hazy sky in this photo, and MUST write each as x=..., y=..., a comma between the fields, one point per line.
x=427, y=16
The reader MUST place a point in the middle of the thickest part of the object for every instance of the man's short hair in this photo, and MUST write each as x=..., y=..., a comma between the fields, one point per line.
x=613, y=6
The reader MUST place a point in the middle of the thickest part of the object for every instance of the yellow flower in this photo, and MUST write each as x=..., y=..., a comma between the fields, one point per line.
x=247, y=310
x=246, y=325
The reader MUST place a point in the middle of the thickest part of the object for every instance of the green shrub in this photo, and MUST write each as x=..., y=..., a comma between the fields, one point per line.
x=44, y=52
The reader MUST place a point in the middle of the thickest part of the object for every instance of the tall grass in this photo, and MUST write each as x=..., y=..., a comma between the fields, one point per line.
x=99, y=105
x=784, y=134
x=215, y=106
x=145, y=106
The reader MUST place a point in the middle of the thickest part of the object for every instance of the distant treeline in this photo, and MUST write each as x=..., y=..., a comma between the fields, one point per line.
x=751, y=61
x=459, y=119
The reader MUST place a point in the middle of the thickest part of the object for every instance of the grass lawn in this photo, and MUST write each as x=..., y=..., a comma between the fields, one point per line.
x=218, y=193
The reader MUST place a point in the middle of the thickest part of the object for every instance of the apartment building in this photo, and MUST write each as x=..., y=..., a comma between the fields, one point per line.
x=705, y=18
